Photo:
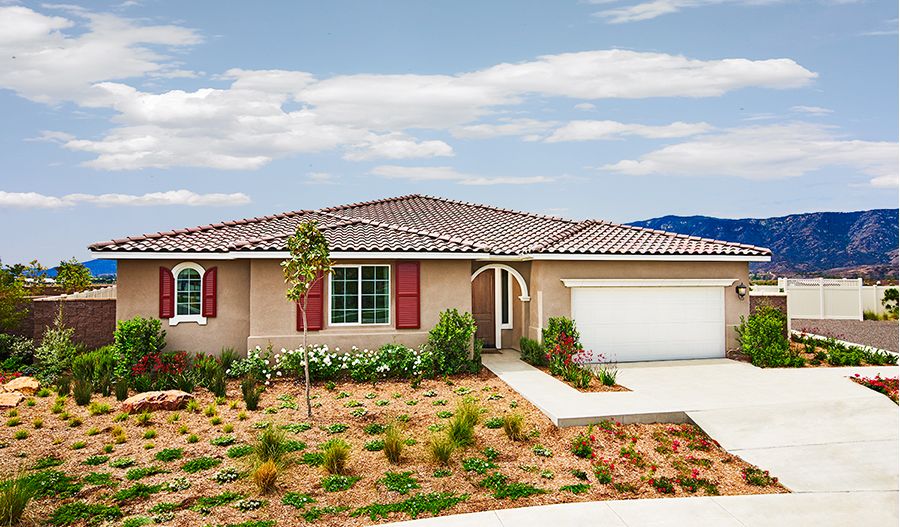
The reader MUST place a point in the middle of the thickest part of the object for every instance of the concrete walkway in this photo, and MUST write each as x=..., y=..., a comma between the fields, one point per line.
x=831, y=441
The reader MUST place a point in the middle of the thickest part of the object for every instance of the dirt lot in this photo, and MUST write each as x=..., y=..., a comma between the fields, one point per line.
x=637, y=454
x=882, y=334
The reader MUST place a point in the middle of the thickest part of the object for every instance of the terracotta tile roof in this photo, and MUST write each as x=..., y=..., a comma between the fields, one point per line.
x=418, y=223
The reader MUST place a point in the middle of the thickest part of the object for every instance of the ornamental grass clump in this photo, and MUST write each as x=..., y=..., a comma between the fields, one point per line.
x=15, y=494
x=269, y=445
x=335, y=455
x=462, y=426
x=393, y=443
x=514, y=427
x=266, y=477
x=441, y=448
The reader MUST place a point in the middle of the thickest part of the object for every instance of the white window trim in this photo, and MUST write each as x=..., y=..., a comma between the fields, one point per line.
x=359, y=296
x=178, y=319
x=509, y=297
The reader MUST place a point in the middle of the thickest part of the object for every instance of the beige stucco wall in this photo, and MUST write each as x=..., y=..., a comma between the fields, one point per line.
x=252, y=309
x=443, y=284
x=548, y=289
x=137, y=294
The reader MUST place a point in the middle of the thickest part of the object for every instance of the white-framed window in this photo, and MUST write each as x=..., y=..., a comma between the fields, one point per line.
x=506, y=298
x=188, y=294
x=359, y=295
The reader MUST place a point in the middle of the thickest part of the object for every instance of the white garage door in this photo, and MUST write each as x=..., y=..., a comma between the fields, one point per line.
x=629, y=324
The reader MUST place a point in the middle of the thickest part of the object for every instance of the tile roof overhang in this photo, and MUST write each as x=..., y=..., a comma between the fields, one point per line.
x=419, y=225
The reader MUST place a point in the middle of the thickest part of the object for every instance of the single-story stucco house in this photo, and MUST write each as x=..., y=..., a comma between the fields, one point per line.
x=635, y=294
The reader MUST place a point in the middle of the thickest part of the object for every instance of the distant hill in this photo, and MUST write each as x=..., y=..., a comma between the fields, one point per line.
x=848, y=244
x=98, y=268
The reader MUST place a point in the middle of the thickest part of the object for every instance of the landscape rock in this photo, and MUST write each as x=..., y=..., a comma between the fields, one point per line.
x=25, y=385
x=10, y=399
x=152, y=401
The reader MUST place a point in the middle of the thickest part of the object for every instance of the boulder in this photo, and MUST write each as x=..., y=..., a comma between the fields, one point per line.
x=152, y=401
x=10, y=399
x=24, y=385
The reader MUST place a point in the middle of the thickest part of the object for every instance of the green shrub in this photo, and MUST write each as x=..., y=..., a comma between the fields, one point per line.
x=81, y=512
x=14, y=497
x=335, y=454
x=54, y=356
x=762, y=338
x=557, y=326
x=135, y=338
x=19, y=351
x=532, y=352
x=450, y=341
x=502, y=488
x=239, y=451
x=82, y=392
x=121, y=389
x=52, y=483
x=891, y=301
x=135, y=474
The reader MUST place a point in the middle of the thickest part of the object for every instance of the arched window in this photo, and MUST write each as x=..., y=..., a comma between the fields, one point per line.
x=188, y=293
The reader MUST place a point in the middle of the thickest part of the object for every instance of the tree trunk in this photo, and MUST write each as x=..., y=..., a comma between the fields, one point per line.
x=306, y=357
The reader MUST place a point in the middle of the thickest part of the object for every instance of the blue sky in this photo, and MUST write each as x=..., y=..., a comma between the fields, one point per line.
x=129, y=117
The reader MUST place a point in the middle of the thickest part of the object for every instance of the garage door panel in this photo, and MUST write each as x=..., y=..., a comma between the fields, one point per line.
x=651, y=323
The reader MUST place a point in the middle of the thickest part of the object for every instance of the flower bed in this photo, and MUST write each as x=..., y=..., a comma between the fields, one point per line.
x=195, y=466
x=885, y=385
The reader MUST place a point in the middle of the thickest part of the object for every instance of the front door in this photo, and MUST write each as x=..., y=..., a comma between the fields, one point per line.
x=483, y=308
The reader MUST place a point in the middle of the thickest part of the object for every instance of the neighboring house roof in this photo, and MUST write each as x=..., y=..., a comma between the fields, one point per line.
x=417, y=223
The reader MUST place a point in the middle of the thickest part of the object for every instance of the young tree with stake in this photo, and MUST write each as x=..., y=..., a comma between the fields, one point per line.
x=309, y=261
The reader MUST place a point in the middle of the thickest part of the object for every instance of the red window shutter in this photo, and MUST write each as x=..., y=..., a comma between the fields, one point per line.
x=407, y=288
x=166, y=293
x=209, y=292
x=315, y=306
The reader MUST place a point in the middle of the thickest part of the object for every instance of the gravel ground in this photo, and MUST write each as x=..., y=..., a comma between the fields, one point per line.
x=881, y=334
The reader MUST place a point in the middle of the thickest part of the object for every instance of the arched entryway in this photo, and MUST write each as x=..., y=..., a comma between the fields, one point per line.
x=496, y=290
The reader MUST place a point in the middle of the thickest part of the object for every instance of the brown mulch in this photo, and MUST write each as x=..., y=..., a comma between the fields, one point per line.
x=517, y=459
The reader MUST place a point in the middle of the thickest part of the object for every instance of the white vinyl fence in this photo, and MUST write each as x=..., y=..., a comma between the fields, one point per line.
x=828, y=298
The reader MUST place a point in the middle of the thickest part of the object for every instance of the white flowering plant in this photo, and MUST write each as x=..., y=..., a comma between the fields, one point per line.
x=261, y=364
x=390, y=360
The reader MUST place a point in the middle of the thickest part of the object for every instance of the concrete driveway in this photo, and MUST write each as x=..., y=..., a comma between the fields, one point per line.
x=833, y=442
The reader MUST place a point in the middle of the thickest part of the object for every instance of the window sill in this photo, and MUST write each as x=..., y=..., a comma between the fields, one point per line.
x=179, y=319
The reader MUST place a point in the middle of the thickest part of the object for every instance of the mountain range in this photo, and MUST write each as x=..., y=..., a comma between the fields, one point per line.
x=840, y=244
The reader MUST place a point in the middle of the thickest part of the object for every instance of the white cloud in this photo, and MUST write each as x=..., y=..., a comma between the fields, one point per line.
x=504, y=127
x=397, y=146
x=656, y=8
x=263, y=115
x=606, y=130
x=811, y=110
x=420, y=174
x=320, y=178
x=768, y=152
x=585, y=106
x=34, y=200
x=44, y=63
